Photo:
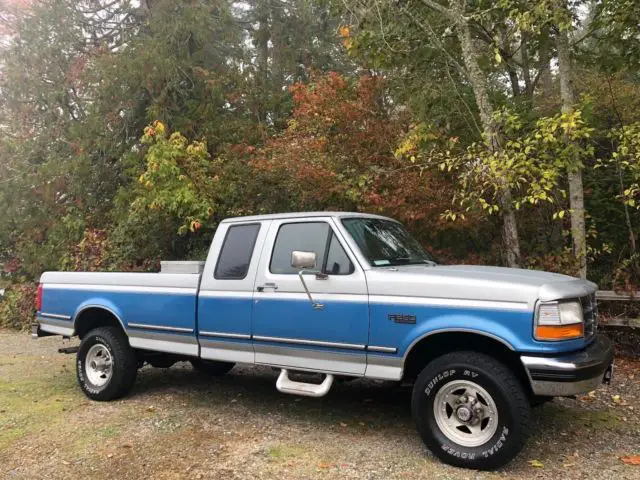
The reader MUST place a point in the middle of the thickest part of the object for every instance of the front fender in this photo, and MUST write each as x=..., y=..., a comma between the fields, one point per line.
x=513, y=329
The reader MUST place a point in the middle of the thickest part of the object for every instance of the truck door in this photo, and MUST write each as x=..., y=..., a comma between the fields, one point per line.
x=328, y=334
x=226, y=292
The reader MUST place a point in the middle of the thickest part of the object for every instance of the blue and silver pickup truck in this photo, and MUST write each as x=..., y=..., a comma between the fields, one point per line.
x=346, y=294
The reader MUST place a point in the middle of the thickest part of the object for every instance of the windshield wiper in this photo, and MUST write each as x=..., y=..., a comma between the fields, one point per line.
x=400, y=259
x=407, y=261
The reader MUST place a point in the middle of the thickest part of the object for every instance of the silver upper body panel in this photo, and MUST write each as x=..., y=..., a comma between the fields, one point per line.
x=122, y=279
x=519, y=287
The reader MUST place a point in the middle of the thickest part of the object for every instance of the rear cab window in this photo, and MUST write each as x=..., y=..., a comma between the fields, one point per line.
x=235, y=254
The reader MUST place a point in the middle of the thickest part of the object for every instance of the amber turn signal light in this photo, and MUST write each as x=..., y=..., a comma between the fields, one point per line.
x=560, y=332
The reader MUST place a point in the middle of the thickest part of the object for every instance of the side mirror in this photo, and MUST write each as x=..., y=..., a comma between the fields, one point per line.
x=303, y=260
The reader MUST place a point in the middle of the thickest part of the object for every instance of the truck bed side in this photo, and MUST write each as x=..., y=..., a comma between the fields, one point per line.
x=157, y=311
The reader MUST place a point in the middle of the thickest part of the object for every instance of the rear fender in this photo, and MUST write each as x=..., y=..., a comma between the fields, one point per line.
x=100, y=303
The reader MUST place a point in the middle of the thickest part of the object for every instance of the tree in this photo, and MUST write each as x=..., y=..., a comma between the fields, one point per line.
x=338, y=153
x=459, y=19
x=574, y=171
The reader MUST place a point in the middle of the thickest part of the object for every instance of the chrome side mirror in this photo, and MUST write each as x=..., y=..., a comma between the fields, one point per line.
x=305, y=261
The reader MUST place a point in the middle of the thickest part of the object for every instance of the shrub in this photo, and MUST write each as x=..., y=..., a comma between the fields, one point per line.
x=17, y=307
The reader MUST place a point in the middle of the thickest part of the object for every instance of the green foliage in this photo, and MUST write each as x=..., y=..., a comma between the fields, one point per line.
x=626, y=158
x=530, y=162
x=177, y=179
x=299, y=105
x=17, y=307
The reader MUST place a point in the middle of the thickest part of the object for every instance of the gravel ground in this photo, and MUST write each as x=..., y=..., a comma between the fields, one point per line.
x=177, y=424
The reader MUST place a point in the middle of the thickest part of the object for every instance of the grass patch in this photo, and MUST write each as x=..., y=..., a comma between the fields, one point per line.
x=284, y=452
x=35, y=394
x=29, y=404
x=570, y=418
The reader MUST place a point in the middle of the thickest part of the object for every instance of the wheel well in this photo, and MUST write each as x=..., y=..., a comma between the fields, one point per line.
x=436, y=345
x=94, y=317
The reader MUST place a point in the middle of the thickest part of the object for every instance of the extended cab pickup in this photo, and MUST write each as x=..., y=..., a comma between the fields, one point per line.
x=347, y=295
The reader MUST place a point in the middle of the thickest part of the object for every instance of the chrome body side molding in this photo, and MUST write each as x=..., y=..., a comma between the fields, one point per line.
x=166, y=328
x=317, y=343
x=240, y=336
x=55, y=316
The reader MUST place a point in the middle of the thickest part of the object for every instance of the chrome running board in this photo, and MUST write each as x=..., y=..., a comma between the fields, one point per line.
x=286, y=385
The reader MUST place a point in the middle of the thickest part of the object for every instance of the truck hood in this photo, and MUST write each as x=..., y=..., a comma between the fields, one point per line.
x=473, y=282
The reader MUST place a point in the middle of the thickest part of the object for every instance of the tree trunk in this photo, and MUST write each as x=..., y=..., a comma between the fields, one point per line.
x=515, y=81
x=492, y=137
x=526, y=73
x=576, y=191
x=146, y=8
x=262, y=37
x=546, y=81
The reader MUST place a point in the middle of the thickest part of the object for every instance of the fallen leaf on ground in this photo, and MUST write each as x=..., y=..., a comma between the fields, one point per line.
x=631, y=459
x=342, y=424
x=536, y=463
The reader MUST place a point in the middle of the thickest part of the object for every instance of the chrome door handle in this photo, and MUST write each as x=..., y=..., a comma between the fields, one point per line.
x=261, y=288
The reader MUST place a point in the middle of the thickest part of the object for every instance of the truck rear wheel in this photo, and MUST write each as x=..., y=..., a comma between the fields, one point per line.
x=213, y=368
x=106, y=365
x=471, y=410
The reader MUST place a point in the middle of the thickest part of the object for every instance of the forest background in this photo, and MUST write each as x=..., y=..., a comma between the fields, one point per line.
x=499, y=132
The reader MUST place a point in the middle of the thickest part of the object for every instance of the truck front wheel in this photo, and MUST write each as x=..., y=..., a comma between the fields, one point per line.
x=471, y=411
x=106, y=365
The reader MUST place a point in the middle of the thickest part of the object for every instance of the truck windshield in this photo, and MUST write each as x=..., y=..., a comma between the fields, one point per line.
x=385, y=243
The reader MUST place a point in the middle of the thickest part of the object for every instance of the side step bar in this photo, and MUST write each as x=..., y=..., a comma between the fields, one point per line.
x=286, y=385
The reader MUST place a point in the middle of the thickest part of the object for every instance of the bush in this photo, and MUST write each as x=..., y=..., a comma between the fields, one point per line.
x=17, y=307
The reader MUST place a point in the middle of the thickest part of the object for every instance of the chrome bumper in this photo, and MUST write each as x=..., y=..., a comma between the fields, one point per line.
x=571, y=373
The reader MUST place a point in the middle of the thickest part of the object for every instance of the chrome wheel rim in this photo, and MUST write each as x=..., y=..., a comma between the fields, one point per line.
x=98, y=365
x=465, y=413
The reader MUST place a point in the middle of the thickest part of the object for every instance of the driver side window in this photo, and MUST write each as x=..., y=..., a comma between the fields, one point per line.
x=317, y=237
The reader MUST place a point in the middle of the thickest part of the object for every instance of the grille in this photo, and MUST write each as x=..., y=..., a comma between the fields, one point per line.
x=590, y=312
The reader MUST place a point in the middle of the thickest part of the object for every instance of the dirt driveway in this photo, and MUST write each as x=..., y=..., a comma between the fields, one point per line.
x=177, y=424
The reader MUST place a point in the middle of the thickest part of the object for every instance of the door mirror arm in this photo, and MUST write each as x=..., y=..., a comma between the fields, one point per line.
x=319, y=275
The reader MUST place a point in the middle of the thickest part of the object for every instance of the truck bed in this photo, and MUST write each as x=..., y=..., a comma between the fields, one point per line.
x=140, y=301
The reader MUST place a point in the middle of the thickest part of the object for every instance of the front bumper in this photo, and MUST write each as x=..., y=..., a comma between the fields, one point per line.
x=563, y=375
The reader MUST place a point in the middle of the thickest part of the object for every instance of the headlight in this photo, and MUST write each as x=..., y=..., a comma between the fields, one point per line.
x=561, y=320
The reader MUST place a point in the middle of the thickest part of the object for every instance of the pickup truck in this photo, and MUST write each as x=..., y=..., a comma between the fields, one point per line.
x=346, y=295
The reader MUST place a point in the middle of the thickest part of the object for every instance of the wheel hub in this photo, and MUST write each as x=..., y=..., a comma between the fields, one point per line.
x=464, y=414
x=98, y=365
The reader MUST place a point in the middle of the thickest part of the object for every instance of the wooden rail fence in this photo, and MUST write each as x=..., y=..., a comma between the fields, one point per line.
x=611, y=296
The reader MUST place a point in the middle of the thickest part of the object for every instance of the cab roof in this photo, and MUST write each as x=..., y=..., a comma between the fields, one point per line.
x=281, y=216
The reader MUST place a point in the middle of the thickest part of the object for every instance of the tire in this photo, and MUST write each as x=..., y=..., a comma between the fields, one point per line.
x=475, y=384
x=212, y=368
x=100, y=348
